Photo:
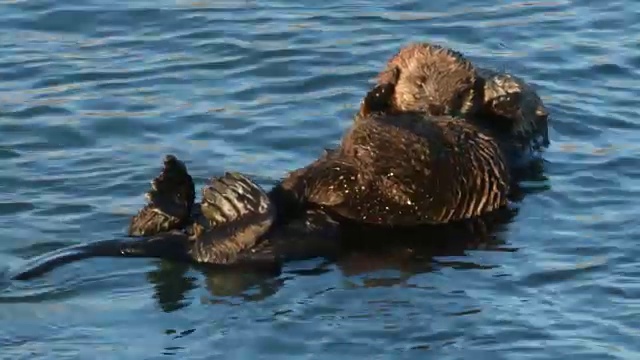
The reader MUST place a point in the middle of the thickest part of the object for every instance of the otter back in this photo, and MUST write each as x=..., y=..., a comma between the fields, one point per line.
x=407, y=169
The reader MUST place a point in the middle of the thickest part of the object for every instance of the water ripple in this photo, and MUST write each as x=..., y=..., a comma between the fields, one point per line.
x=94, y=93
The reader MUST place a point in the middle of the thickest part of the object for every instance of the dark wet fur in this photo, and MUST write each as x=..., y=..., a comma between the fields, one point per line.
x=391, y=170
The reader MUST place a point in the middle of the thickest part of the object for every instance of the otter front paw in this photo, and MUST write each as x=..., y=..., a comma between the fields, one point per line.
x=169, y=201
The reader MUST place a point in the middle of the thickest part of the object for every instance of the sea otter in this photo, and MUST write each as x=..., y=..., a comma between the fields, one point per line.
x=402, y=164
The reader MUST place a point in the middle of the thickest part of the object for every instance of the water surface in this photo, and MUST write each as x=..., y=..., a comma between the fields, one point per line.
x=93, y=93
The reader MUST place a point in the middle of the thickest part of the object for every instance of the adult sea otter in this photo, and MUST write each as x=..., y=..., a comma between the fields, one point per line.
x=432, y=144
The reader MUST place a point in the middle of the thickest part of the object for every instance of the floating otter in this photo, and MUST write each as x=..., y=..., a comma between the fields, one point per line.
x=402, y=164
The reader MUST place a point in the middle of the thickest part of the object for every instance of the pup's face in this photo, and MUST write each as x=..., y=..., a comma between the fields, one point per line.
x=431, y=79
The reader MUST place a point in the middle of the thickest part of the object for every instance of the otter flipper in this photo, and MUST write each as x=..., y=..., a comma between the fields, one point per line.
x=233, y=197
x=234, y=214
x=169, y=202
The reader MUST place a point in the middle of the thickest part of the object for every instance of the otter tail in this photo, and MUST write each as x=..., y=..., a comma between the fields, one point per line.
x=169, y=246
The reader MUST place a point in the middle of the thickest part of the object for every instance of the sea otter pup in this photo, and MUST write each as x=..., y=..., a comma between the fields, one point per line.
x=440, y=81
x=396, y=167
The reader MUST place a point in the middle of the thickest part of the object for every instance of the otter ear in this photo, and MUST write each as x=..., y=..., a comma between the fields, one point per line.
x=390, y=75
x=380, y=98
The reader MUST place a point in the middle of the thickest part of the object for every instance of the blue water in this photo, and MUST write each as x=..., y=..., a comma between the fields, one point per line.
x=93, y=93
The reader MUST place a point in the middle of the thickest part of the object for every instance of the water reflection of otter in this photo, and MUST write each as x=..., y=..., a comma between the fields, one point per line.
x=406, y=163
x=406, y=255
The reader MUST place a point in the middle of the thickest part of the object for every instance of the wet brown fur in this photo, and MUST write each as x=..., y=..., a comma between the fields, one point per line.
x=405, y=169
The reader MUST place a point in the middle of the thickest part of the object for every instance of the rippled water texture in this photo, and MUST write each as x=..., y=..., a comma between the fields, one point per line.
x=93, y=93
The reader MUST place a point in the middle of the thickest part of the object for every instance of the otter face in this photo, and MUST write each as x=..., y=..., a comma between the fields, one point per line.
x=510, y=100
x=432, y=79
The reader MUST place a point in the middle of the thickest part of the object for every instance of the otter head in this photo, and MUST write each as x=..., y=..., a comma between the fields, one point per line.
x=514, y=107
x=432, y=79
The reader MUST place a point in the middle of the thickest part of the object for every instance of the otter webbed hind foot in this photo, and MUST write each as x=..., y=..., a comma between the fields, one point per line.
x=233, y=197
x=169, y=202
x=235, y=227
x=234, y=215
